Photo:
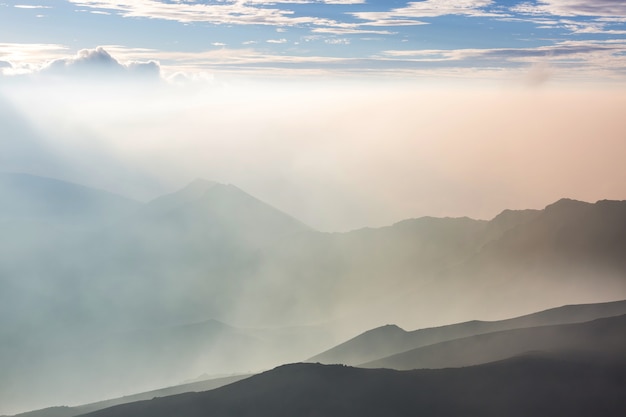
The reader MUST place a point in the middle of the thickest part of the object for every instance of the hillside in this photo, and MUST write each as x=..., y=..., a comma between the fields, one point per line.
x=78, y=302
x=389, y=340
x=606, y=336
x=536, y=384
x=65, y=411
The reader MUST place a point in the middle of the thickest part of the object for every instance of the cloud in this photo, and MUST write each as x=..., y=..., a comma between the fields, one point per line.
x=98, y=63
x=337, y=41
x=237, y=12
x=591, y=17
x=408, y=15
x=609, y=8
x=573, y=60
x=538, y=74
x=352, y=30
x=566, y=49
x=30, y=6
x=5, y=64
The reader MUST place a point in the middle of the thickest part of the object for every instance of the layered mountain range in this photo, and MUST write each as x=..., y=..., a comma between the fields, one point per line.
x=575, y=369
x=94, y=286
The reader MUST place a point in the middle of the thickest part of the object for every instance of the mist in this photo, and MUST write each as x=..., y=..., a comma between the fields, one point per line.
x=336, y=156
x=164, y=231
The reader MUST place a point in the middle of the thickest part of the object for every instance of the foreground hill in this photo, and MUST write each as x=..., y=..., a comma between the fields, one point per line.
x=389, y=340
x=606, y=336
x=537, y=384
x=178, y=389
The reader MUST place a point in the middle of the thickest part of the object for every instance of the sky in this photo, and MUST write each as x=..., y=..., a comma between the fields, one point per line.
x=343, y=113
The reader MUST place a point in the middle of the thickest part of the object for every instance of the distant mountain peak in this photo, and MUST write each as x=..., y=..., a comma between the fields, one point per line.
x=191, y=192
x=390, y=328
x=568, y=204
x=201, y=182
x=197, y=187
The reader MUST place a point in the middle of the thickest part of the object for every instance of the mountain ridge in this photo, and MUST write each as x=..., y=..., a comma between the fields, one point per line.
x=532, y=384
x=360, y=349
x=591, y=337
x=226, y=255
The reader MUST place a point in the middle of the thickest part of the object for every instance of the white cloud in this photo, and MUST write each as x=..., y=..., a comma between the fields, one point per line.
x=566, y=60
x=408, y=15
x=88, y=63
x=240, y=12
x=608, y=8
x=29, y=57
x=350, y=30
x=5, y=67
x=30, y=6
x=282, y=40
x=590, y=60
x=337, y=41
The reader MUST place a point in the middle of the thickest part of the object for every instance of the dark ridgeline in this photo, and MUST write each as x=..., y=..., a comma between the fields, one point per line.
x=65, y=411
x=531, y=385
x=390, y=340
x=606, y=336
x=570, y=370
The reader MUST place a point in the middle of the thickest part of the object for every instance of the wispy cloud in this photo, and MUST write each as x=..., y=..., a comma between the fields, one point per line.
x=591, y=59
x=415, y=10
x=31, y=6
x=239, y=12
x=609, y=8
x=566, y=59
x=28, y=57
x=574, y=16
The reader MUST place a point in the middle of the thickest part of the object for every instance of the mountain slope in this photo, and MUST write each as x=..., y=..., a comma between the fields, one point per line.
x=606, y=336
x=212, y=251
x=178, y=389
x=570, y=252
x=47, y=200
x=389, y=340
x=529, y=385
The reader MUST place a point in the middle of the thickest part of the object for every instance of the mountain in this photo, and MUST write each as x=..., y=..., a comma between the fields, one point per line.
x=117, y=297
x=606, y=336
x=54, y=372
x=537, y=384
x=389, y=340
x=212, y=251
x=31, y=198
x=65, y=411
x=570, y=252
x=185, y=256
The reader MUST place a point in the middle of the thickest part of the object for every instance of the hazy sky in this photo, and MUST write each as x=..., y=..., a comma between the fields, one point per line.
x=342, y=113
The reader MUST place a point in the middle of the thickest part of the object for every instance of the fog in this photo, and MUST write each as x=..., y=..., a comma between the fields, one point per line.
x=306, y=227
x=336, y=156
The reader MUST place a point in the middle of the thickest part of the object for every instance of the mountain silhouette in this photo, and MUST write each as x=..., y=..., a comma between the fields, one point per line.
x=65, y=411
x=533, y=384
x=606, y=336
x=390, y=340
x=47, y=200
